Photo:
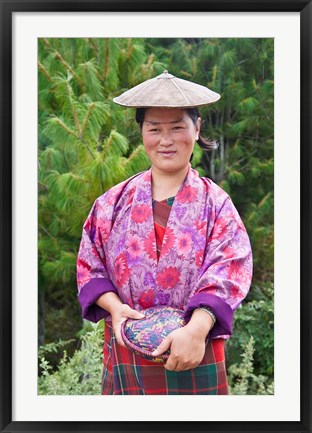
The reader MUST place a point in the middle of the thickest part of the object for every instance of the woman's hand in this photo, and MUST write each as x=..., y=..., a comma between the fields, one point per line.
x=188, y=344
x=120, y=314
x=186, y=350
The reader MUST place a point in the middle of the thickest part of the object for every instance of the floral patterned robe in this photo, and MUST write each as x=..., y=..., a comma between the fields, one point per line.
x=205, y=257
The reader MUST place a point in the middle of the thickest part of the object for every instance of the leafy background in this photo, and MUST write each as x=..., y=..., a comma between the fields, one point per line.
x=88, y=144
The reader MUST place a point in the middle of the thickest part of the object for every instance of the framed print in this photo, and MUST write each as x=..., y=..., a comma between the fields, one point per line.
x=35, y=33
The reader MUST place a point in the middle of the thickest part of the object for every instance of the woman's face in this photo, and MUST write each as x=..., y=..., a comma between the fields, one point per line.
x=169, y=135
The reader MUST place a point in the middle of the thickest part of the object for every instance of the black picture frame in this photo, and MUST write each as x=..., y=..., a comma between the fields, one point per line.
x=6, y=395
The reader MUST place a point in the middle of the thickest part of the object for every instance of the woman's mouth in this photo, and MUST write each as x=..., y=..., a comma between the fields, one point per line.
x=167, y=153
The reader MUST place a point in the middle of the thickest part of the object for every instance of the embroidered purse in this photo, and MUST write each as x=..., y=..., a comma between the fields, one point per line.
x=143, y=336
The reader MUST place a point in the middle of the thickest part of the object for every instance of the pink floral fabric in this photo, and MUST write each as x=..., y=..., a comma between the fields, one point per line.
x=205, y=257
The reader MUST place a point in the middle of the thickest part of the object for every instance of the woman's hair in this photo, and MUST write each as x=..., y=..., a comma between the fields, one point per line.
x=193, y=113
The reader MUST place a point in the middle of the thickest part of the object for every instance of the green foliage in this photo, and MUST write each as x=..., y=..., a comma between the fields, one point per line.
x=87, y=144
x=78, y=375
x=256, y=318
x=243, y=381
x=54, y=347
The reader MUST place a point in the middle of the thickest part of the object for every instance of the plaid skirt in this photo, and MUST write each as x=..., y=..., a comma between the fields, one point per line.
x=126, y=373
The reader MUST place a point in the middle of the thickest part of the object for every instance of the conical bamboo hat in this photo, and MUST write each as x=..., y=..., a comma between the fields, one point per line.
x=166, y=90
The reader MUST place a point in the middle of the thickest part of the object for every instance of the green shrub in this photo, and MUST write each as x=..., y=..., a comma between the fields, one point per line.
x=243, y=381
x=78, y=375
x=256, y=318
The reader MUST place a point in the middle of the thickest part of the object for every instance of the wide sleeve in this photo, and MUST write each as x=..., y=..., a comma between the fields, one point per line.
x=92, y=276
x=226, y=273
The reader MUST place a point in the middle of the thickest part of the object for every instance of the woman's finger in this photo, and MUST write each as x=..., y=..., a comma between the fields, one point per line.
x=133, y=314
x=120, y=340
x=117, y=332
x=171, y=364
x=163, y=347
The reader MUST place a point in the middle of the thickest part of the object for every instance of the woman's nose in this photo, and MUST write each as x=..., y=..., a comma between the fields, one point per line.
x=166, y=139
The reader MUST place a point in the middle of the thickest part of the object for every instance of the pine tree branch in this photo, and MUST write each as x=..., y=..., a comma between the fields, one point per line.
x=87, y=146
x=73, y=109
x=64, y=63
x=42, y=187
x=46, y=231
x=67, y=129
x=102, y=181
x=47, y=43
x=45, y=72
x=97, y=55
x=68, y=67
x=71, y=132
x=106, y=64
x=150, y=60
x=90, y=40
x=133, y=154
x=107, y=146
x=130, y=49
x=87, y=116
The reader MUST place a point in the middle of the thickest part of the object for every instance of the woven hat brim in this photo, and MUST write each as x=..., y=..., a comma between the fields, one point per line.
x=167, y=93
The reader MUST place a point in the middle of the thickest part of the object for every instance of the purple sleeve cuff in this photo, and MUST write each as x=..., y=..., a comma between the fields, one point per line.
x=222, y=311
x=89, y=293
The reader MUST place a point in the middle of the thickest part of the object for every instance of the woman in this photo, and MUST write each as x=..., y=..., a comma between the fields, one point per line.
x=165, y=237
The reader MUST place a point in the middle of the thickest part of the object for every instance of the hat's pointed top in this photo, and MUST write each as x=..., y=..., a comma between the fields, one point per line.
x=166, y=90
x=165, y=74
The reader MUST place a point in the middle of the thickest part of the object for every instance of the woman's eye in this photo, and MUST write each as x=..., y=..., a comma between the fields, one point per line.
x=154, y=130
x=176, y=128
